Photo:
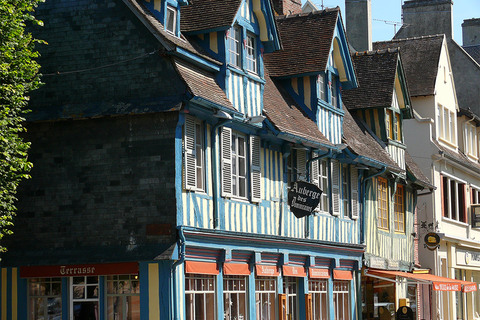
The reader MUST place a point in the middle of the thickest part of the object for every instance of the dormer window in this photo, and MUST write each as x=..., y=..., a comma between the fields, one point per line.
x=334, y=91
x=171, y=22
x=321, y=87
x=251, y=56
x=234, y=46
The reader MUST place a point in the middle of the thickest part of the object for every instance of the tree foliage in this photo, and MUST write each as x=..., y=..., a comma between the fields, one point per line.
x=18, y=76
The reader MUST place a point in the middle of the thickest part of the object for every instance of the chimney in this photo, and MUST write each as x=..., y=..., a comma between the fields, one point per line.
x=426, y=17
x=359, y=24
x=471, y=32
x=286, y=7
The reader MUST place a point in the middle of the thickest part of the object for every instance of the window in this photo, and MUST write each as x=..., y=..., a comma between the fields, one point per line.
x=389, y=124
x=234, y=46
x=471, y=141
x=453, y=199
x=446, y=125
x=45, y=298
x=345, y=190
x=84, y=293
x=321, y=87
x=171, y=23
x=382, y=202
x=200, y=296
x=323, y=185
x=251, y=55
x=290, y=289
x=194, y=166
x=234, y=297
x=265, y=292
x=234, y=165
x=475, y=195
x=239, y=166
x=397, y=127
x=123, y=297
x=399, y=208
x=341, y=299
x=334, y=91
x=319, y=291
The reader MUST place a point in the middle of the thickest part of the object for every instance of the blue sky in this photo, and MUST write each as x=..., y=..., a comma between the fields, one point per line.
x=390, y=10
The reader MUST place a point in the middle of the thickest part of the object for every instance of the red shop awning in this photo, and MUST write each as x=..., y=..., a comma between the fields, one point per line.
x=438, y=283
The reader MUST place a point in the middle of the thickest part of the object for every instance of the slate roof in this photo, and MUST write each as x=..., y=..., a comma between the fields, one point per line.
x=208, y=15
x=458, y=157
x=158, y=30
x=306, y=40
x=286, y=116
x=413, y=168
x=202, y=84
x=474, y=52
x=376, y=72
x=362, y=143
x=420, y=57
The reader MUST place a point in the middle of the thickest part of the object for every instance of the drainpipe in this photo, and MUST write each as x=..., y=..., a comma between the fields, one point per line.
x=328, y=154
x=181, y=242
x=362, y=234
x=214, y=171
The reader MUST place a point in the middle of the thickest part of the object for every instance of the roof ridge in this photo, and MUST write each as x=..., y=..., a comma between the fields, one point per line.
x=413, y=38
x=306, y=14
x=379, y=51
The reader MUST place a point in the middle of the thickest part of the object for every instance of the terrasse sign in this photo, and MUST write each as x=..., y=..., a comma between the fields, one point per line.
x=303, y=198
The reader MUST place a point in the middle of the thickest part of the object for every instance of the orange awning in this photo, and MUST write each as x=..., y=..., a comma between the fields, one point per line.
x=342, y=274
x=237, y=269
x=438, y=283
x=200, y=267
x=267, y=271
x=294, y=271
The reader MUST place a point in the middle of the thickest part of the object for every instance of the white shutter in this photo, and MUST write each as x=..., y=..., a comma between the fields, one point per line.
x=301, y=165
x=255, y=172
x=314, y=171
x=354, y=188
x=335, y=188
x=189, y=172
x=226, y=161
x=314, y=177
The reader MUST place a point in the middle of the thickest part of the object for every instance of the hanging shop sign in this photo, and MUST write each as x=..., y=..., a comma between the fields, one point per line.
x=303, y=198
x=404, y=313
x=432, y=241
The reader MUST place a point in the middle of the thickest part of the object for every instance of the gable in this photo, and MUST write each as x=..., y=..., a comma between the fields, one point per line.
x=308, y=41
x=203, y=16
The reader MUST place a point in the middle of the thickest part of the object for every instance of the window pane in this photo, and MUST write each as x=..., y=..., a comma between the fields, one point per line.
x=251, y=54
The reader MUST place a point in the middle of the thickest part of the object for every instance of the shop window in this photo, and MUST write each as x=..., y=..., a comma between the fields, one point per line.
x=382, y=202
x=265, y=293
x=200, y=297
x=234, y=298
x=399, y=208
x=459, y=275
x=319, y=291
x=45, y=298
x=341, y=299
x=123, y=297
x=84, y=297
x=290, y=290
x=453, y=199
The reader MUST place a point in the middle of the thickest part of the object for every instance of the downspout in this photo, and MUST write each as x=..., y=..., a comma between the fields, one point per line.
x=214, y=171
x=181, y=259
x=328, y=154
x=362, y=234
